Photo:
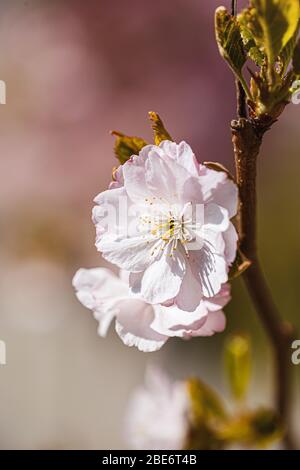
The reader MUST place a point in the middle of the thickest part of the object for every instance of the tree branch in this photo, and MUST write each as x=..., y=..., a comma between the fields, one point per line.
x=247, y=138
x=233, y=7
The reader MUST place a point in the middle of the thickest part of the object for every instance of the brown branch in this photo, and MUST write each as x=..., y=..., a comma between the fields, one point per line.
x=247, y=138
x=241, y=100
x=233, y=7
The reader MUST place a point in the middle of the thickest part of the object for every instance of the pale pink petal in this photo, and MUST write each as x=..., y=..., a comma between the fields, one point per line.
x=161, y=280
x=190, y=293
x=215, y=218
x=183, y=154
x=215, y=323
x=211, y=269
x=213, y=241
x=165, y=178
x=106, y=215
x=132, y=254
x=134, y=173
x=220, y=189
x=231, y=242
x=100, y=290
x=219, y=301
x=133, y=326
x=226, y=195
x=173, y=322
x=111, y=196
x=118, y=178
x=95, y=284
x=210, y=180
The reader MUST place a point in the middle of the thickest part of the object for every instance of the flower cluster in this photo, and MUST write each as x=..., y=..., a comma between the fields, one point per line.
x=173, y=244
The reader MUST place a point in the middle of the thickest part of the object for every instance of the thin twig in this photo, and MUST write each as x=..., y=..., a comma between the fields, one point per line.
x=233, y=7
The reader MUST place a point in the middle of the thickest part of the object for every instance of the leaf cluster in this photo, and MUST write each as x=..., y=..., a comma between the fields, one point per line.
x=265, y=34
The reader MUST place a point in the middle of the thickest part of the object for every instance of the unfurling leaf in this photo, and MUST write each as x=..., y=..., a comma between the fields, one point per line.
x=241, y=263
x=249, y=31
x=126, y=146
x=238, y=362
x=229, y=40
x=278, y=20
x=160, y=132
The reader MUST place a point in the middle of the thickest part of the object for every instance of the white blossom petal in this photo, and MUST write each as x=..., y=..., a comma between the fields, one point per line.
x=135, y=175
x=129, y=253
x=100, y=290
x=183, y=154
x=220, y=189
x=215, y=218
x=165, y=178
x=161, y=280
x=133, y=326
x=231, y=242
x=210, y=267
x=215, y=323
x=190, y=293
x=174, y=322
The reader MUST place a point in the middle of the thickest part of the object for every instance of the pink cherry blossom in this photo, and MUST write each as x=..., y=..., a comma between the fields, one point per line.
x=138, y=323
x=158, y=415
x=172, y=255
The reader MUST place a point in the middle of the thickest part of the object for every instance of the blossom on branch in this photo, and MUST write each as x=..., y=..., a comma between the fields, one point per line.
x=175, y=237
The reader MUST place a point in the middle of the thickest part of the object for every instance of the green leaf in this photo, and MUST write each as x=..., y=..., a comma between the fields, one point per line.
x=229, y=40
x=207, y=414
x=241, y=263
x=278, y=20
x=255, y=54
x=238, y=362
x=287, y=52
x=160, y=132
x=206, y=403
x=126, y=146
x=245, y=20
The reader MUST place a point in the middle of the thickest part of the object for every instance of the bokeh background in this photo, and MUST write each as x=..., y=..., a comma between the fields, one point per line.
x=75, y=70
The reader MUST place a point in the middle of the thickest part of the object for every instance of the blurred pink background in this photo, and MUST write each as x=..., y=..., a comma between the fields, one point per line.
x=75, y=70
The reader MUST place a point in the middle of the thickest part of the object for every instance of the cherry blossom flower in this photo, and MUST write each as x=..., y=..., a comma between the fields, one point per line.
x=158, y=415
x=138, y=323
x=173, y=254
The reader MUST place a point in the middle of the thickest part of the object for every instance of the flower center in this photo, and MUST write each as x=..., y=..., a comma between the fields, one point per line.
x=169, y=226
